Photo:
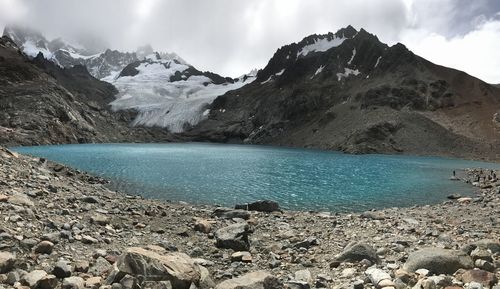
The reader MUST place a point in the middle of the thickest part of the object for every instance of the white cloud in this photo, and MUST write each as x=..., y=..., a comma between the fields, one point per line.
x=476, y=52
x=232, y=37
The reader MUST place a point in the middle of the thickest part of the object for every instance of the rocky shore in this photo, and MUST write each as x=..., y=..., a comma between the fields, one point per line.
x=61, y=228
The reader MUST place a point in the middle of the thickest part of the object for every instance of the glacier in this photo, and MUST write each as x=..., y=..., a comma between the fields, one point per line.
x=161, y=102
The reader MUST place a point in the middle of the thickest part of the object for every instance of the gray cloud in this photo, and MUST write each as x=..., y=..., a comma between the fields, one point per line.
x=233, y=36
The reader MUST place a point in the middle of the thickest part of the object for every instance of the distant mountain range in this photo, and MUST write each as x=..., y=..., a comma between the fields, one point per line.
x=342, y=91
x=165, y=90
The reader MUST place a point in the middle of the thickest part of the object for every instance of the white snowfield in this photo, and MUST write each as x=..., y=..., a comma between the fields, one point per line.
x=162, y=103
x=321, y=45
x=347, y=72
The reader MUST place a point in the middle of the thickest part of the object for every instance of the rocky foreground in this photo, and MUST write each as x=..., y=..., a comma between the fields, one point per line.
x=60, y=228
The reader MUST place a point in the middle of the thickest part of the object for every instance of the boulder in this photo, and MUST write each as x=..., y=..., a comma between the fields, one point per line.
x=358, y=251
x=7, y=261
x=225, y=213
x=21, y=200
x=438, y=261
x=178, y=268
x=254, y=280
x=62, y=269
x=73, y=283
x=44, y=247
x=47, y=282
x=487, y=244
x=204, y=226
x=234, y=237
x=376, y=276
x=260, y=206
x=32, y=278
x=485, y=278
x=100, y=267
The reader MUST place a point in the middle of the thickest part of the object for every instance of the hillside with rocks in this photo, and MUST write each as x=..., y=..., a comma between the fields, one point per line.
x=42, y=103
x=62, y=228
x=350, y=92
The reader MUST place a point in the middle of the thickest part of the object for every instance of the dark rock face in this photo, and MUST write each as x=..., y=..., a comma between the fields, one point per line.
x=358, y=96
x=42, y=103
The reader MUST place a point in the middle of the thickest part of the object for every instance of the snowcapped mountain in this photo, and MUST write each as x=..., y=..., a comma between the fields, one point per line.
x=102, y=64
x=348, y=91
x=169, y=93
x=165, y=90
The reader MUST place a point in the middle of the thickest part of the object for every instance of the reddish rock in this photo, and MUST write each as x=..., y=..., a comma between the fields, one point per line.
x=485, y=278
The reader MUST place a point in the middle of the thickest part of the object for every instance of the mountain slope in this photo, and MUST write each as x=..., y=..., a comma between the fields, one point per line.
x=348, y=91
x=42, y=103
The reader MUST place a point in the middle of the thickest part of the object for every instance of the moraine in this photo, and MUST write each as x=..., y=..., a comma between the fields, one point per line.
x=298, y=179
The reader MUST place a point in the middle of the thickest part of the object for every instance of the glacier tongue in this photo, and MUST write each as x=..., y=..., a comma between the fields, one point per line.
x=165, y=103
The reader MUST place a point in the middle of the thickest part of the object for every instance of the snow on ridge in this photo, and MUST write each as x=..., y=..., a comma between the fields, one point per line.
x=29, y=48
x=280, y=73
x=347, y=72
x=162, y=103
x=321, y=45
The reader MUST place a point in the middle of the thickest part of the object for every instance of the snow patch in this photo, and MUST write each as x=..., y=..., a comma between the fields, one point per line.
x=280, y=73
x=320, y=45
x=352, y=57
x=347, y=72
x=378, y=61
x=269, y=79
x=318, y=71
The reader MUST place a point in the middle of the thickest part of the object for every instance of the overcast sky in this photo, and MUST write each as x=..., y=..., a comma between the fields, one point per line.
x=231, y=37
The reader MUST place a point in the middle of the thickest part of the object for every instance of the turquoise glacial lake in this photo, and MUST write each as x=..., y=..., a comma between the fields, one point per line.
x=299, y=179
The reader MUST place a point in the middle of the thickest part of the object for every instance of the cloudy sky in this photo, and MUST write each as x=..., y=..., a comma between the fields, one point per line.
x=231, y=37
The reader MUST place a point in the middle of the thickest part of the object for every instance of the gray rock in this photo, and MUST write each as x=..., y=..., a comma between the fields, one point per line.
x=7, y=261
x=438, y=261
x=234, y=237
x=260, y=206
x=44, y=247
x=47, y=282
x=62, y=269
x=377, y=275
x=487, y=244
x=178, y=268
x=90, y=199
x=32, y=278
x=304, y=275
x=128, y=282
x=254, y=280
x=73, y=283
x=357, y=252
x=100, y=267
x=206, y=281
x=225, y=213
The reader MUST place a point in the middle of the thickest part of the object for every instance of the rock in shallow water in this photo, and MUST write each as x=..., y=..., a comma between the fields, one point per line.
x=260, y=206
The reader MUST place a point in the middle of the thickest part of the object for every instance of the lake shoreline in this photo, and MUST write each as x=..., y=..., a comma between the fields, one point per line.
x=51, y=212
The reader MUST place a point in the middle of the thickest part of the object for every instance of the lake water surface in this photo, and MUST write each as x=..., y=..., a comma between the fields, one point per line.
x=298, y=179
